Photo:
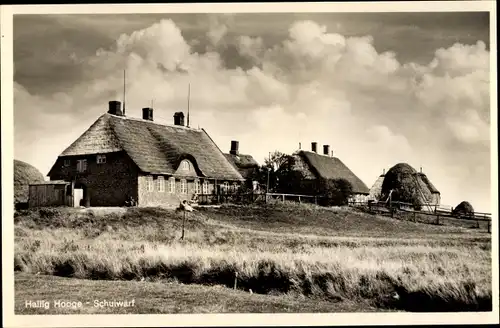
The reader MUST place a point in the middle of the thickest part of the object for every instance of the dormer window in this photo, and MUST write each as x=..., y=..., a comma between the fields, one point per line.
x=67, y=163
x=185, y=165
x=101, y=159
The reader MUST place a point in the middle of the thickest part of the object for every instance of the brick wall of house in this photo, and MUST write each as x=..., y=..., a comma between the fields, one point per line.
x=166, y=198
x=107, y=184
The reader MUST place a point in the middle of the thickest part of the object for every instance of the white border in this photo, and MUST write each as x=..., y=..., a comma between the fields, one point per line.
x=227, y=319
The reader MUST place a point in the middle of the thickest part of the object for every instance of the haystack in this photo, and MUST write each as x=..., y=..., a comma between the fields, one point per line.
x=463, y=209
x=406, y=184
x=24, y=174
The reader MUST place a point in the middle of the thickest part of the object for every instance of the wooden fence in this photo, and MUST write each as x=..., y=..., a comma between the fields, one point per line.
x=407, y=211
x=255, y=197
x=236, y=198
x=292, y=197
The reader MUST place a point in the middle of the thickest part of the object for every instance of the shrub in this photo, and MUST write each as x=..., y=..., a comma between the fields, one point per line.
x=335, y=192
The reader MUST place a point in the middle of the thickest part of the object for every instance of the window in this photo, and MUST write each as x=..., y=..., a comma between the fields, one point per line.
x=160, y=182
x=81, y=165
x=225, y=187
x=171, y=185
x=197, y=186
x=67, y=162
x=185, y=165
x=235, y=186
x=183, y=186
x=101, y=159
x=205, y=187
x=149, y=181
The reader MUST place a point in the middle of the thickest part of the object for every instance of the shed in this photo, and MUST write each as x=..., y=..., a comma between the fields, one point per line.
x=50, y=193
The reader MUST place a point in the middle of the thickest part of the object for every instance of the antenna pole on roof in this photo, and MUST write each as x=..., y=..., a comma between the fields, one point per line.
x=189, y=96
x=124, y=78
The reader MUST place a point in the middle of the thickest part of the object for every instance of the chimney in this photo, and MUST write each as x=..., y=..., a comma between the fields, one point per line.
x=147, y=113
x=179, y=118
x=300, y=145
x=383, y=172
x=326, y=150
x=313, y=146
x=115, y=108
x=234, y=147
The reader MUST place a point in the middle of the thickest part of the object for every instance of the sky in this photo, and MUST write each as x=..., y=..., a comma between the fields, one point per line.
x=379, y=88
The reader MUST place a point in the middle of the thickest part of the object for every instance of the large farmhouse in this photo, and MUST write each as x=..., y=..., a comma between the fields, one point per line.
x=122, y=158
x=316, y=166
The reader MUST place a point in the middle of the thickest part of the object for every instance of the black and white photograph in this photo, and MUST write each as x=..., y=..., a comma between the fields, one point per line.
x=250, y=160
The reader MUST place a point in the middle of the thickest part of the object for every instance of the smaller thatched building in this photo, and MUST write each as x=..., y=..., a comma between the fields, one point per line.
x=314, y=167
x=244, y=163
x=376, y=189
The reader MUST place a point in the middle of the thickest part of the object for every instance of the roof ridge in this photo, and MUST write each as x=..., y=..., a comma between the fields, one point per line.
x=153, y=122
x=316, y=153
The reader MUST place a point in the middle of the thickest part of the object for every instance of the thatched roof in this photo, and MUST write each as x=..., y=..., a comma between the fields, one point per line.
x=405, y=180
x=376, y=189
x=245, y=164
x=154, y=148
x=24, y=175
x=327, y=167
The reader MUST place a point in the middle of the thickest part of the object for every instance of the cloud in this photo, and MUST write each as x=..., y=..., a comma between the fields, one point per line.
x=313, y=85
x=218, y=28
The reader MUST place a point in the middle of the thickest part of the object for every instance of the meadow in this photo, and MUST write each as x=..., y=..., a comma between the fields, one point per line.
x=284, y=252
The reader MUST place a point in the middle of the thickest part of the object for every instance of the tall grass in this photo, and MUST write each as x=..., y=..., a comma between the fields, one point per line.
x=419, y=274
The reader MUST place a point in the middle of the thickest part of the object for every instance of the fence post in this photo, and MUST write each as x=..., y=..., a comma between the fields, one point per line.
x=489, y=223
x=437, y=220
x=414, y=215
x=316, y=200
x=299, y=200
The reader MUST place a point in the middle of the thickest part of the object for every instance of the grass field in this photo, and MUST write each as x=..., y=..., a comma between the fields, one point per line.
x=162, y=297
x=288, y=252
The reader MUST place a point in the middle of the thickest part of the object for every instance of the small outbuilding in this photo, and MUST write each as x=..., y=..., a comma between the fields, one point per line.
x=52, y=193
